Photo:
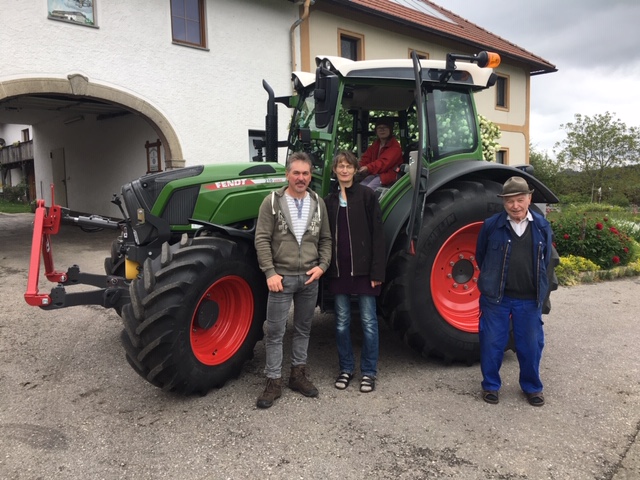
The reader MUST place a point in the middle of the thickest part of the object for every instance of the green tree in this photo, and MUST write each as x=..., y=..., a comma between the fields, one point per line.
x=546, y=169
x=596, y=144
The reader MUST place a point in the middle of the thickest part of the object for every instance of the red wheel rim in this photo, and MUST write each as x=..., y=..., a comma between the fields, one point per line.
x=215, y=345
x=454, y=279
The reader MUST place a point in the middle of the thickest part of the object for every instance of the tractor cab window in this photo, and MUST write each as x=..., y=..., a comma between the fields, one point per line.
x=456, y=130
x=307, y=137
x=363, y=103
x=304, y=116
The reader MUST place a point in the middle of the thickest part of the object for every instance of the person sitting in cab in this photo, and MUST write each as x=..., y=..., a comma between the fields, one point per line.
x=378, y=164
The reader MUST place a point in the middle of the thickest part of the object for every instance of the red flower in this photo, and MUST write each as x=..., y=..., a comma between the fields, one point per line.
x=614, y=230
x=599, y=226
x=616, y=259
x=605, y=219
x=566, y=236
x=626, y=249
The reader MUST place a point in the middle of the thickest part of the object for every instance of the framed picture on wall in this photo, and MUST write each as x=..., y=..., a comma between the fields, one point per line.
x=80, y=12
x=154, y=156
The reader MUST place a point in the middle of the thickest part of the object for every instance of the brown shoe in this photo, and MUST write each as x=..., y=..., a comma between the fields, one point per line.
x=271, y=393
x=299, y=382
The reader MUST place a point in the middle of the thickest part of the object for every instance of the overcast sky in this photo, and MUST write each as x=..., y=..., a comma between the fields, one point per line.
x=594, y=44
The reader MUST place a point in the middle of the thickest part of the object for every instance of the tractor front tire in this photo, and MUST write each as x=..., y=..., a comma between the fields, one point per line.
x=195, y=314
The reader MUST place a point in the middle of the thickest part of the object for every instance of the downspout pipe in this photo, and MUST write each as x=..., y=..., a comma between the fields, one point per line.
x=303, y=17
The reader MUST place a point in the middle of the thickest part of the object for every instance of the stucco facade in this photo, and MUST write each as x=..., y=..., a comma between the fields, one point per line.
x=201, y=102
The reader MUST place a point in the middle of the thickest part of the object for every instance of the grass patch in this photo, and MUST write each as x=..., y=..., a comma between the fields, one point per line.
x=11, y=207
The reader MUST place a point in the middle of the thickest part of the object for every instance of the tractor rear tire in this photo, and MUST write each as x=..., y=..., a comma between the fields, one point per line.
x=431, y=298
x=195, y=314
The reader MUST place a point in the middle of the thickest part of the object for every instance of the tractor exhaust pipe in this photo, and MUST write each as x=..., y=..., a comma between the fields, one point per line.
x=271, y=125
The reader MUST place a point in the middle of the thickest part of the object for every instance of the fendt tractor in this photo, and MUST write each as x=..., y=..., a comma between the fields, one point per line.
x=183, y=273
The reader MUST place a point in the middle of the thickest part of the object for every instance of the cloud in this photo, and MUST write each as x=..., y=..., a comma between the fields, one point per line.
x=594, y=45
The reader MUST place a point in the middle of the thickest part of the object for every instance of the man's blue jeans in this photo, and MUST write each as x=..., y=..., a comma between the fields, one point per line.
x=494, y=336
x=369, y=320
x=304, y=299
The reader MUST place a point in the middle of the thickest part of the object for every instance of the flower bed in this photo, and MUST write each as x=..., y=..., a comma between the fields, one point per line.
x=595, y=237
x=596, y=242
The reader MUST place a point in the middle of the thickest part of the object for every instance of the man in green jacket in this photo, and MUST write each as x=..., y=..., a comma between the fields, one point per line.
x=293, y=243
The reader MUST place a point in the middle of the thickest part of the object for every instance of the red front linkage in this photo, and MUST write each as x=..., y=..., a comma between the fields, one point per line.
x=45, y=225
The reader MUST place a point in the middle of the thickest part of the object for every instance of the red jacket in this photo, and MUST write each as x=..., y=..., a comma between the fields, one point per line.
x=383, y=161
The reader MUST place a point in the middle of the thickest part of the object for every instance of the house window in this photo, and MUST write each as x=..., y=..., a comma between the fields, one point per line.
x=351, y=45
x=421, y=55
x=502, y=157
x=25, y=135
x=187, y=22
x=502, y=92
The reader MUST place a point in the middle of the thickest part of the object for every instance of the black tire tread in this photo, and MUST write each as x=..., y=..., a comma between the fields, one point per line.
x=154, y=322
x=397, y=303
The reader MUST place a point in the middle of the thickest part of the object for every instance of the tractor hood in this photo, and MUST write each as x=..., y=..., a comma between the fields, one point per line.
x=224, y=194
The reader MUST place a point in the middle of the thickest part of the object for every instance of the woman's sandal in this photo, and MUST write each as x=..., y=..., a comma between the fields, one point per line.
x=343, y=380
x=368, y=384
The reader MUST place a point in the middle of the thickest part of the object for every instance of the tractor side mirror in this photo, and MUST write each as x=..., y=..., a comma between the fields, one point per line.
x=326, y=96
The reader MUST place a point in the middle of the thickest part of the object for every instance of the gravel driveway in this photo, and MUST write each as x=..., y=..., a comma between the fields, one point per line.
x=71, y=407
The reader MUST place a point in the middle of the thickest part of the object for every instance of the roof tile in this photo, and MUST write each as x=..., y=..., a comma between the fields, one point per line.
x=457, y=29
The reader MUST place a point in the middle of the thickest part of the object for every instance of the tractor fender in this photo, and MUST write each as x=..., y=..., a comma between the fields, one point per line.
x=459, y=170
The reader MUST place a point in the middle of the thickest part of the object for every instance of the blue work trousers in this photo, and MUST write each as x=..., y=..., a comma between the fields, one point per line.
x=495, y=319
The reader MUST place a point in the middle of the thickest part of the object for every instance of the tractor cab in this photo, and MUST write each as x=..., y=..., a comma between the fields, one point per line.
x=336, y=109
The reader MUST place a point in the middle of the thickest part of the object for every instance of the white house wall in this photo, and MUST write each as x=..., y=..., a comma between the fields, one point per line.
x=211, y=97
x=117, y=154
x=12, y=133
x=378, y=43
x=514, y=119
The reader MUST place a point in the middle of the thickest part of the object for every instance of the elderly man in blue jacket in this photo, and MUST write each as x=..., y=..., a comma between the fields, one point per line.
x=513, y=253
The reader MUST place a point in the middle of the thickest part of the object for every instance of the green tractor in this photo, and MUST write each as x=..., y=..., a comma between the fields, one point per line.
x=183, y=273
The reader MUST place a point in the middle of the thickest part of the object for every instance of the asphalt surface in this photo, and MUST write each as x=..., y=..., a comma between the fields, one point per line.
x=71, y=407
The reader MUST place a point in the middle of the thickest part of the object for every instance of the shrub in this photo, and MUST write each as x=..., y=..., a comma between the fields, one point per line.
x=490, y=133
x=630, y=228
x=571, y=269
x=620, y=200
x=15, y=194
x=573, y=198
x=593, y=236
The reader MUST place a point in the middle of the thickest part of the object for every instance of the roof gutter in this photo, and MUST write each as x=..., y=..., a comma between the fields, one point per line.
x=303, y=17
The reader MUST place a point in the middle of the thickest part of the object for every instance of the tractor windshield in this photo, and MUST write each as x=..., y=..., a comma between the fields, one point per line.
x=450, y=122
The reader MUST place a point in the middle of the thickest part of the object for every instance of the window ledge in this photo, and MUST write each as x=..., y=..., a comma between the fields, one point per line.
x=189, y=45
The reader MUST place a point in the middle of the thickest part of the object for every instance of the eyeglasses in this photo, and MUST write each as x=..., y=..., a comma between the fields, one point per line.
x=345, y=166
